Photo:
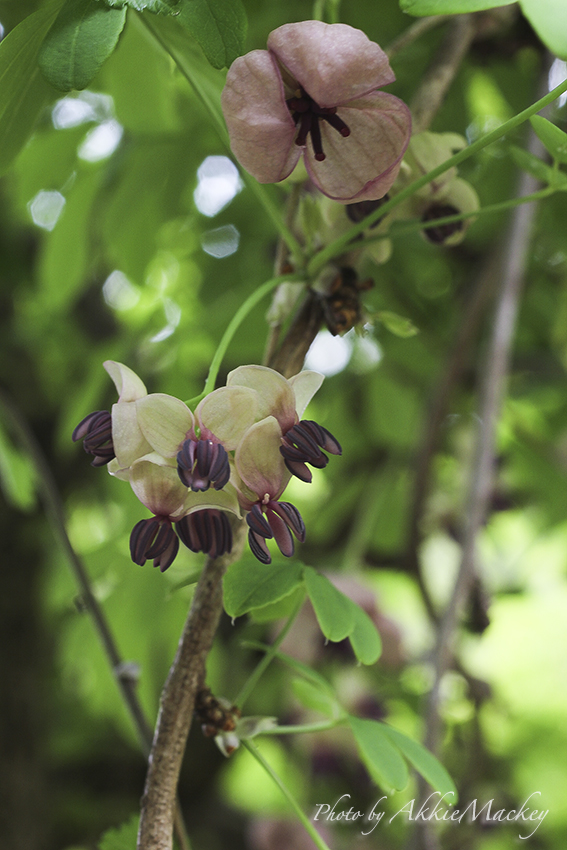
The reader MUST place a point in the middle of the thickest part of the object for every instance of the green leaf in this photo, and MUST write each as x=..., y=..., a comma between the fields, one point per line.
x=554, y=139
x=311, y=696
x=23, y=90
x=398, y=325
x=219, y=26
x=84, y=34
x=381, y=757
x=122, y=838
x=334, y=611
x=364, y=638
x=279, y=610
x=249, y=584
x=450, y=7
x=425, y=763
x=549, y=20
x=17, y=476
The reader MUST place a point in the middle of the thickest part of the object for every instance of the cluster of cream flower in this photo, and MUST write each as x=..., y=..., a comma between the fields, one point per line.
x=234, y=455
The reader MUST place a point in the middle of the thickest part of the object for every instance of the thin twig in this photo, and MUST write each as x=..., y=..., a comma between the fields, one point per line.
x=413, y=32
x=54, y=511
x=439, y=76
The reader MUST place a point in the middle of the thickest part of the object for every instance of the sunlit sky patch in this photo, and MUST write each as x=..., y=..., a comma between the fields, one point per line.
x=118, y=292
x=101, y=141
x=218, y=184
x=558, y=73
x=72, y=111
x=221, y=242
x=45, y=208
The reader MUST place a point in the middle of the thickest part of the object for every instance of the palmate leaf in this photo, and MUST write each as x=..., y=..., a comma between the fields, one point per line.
x=121, y=838
x=23, y=90
x=554, y=139
x=334, y=614
x=219, y=26
x=84, y=34
x=249, y=584
x=424, y=762
x=549, y=20
x=381, y=756
x=161, y=7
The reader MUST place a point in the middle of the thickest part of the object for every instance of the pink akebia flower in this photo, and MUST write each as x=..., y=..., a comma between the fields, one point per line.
x=314, y=92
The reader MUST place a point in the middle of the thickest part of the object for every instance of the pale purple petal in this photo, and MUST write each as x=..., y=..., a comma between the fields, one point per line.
x=333, y=62
x=128, y=386
x=259, y=462
x=259, y=123
x=364, y=165
x=275, y=394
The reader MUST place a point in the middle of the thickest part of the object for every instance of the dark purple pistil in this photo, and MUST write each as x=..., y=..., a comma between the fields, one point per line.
x=281, y=519
x=95, y=430
x=154, y=538
x=201, y=463
x=302, y=444
x=206, y=531
x=306, y=114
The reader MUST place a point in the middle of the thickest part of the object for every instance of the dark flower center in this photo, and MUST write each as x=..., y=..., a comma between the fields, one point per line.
x=201, y=463
x=439, y=233
x=306, y=114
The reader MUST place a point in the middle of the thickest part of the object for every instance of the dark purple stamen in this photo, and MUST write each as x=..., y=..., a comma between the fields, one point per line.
x=302, y=444
x=154, y=538
x=307, y=113
x=201, y=463
x=281, y=519
x=95, y=430
x=206, y=531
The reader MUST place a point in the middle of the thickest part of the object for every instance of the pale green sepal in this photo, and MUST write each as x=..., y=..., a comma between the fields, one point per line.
x=258, y=459
x=129, y=442
x=117, y=471
x=164, y=421
x=275, y=395
x=222, y=500
x=157, y=485
x=228, y=413
x=305, y=385
x=128, y=386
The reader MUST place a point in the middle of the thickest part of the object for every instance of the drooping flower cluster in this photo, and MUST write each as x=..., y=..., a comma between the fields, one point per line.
x=235, y=454
x=314, y=92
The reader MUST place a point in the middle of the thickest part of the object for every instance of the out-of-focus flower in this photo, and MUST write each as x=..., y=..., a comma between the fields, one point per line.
x=315, y=92
x=447, y=195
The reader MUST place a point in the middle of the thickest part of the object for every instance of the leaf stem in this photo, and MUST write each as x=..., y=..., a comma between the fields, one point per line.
x=244, y=309
x=399, y=229
x=337, y=247
x=252, y=680
x=254, y=751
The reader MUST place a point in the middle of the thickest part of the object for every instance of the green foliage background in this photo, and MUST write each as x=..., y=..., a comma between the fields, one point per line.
x=67, y=743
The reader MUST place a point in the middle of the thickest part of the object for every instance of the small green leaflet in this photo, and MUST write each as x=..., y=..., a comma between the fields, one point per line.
x=382, y=758
x=538, y=168
x=84, y=34
x=339, y=617
x=23, y=90
x=398, y=325
x=450, y=7
x=425, y=763
x=218, y=25
x=334, y=614
x=549, y=20
x=313, y=697
x=249, y=584
x=554, y=139
x=122, y=838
